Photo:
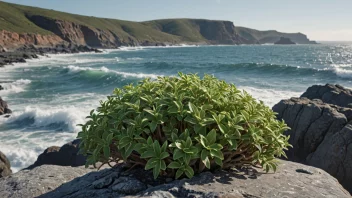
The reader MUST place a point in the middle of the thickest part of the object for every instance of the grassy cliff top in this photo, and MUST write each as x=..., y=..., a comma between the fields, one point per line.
x=19, y=18
x=16, y=18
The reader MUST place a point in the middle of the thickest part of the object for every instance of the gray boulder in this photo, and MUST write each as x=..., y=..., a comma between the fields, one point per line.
x=5, y=167
x=290, y=180
x=321, y=133
x=332, y=94
x=67, y=155
x=4, y=109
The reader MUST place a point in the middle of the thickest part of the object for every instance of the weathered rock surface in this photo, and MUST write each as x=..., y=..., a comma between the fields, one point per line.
x=67, y=155
x=5, y=167
x=4, y=109
x=321, y=133
x=32, y=183
x=332, y=94
x=291, y=180
x=284, y=41
x=13, y=40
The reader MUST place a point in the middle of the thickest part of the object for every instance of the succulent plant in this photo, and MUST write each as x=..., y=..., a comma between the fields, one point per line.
x=179, y=126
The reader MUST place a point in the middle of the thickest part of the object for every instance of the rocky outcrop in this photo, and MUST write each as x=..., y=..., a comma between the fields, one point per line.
x=218, y=32
x=290, y=180
x=67, y=155
x=270, y=36
x=321, y=133
x=13, y=40
x=5, y=167
x=30, y=51
x=284, y=41
x=4, y=109
x=332, y=94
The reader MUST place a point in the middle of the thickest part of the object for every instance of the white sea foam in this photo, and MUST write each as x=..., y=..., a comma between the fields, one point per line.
x=66, y=117
x=343, y=73
x=95, y=60
x=75, y=69
x=270, y=96
x=15, y=87
x=23, y=150
x=135, y=58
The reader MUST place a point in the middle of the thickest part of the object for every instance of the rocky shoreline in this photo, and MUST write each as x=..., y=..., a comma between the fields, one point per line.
x=19, y=55
x=318, y=164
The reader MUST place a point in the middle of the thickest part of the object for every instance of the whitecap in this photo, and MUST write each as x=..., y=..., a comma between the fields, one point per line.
x=66, y=118
x=15, y=87
x=270, y=97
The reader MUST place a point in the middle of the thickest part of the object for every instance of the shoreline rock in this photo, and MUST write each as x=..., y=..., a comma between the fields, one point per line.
x=67, y=155
x=5, y=166
x=4, y=109
x=24, y=52
x=290, y=180
x=321, y=132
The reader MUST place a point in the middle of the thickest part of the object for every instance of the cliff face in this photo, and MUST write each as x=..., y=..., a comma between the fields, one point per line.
x=23, y=25
x=271, y=36
x=14, y=40
x=218, y=32
x=76, y=33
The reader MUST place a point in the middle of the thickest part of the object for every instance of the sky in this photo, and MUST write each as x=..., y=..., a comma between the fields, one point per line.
x=322, y=20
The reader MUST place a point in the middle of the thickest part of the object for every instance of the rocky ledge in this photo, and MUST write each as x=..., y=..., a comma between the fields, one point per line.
x=290, y=180
x=4, y=109
x=284, y=41
x=5, y=167
x=321, y=130
x=20, y=55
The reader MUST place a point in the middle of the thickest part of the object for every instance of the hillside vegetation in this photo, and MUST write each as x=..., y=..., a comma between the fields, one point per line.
x=103, y=32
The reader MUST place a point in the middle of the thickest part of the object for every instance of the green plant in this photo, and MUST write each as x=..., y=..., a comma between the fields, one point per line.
x=181, y=125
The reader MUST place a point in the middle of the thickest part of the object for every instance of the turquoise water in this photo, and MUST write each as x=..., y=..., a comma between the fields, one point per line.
x=51, y=95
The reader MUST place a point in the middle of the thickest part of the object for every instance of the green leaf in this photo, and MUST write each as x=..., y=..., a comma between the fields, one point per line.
x=148, y=154
x=150, y=141
x=153, y=126
x=162, y=165
x=211, y=137
x=218, y=161
x=106, y=151
x=178, y=154
x=156, y=147
x=174, y=165
x=156, y=170
x=151, y=163
x=179, y=173
x=189, y=172
x=204, y=154
x=125, y=141
x=164, y=155
x=216, y=147
x=203, y=141
x=206, y=162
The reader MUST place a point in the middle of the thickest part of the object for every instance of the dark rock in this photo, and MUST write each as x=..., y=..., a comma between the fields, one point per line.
x=67, y=155
x=284, y=41
x=30, y=51
x=4, y=109
x=332, y=94
x=49, y=181
x=128, y=186
x=5, y=167
x=321, y=133
x=1, y=88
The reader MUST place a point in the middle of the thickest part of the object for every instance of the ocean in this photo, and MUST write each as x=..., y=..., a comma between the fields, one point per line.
x=49, y=96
